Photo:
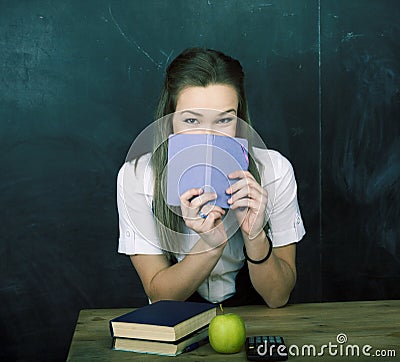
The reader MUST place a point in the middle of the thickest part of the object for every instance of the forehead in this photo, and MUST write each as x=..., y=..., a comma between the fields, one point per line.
x=216, y=96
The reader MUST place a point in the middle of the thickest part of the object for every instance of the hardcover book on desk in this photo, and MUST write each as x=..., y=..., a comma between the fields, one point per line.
x=165, y=320
x=203, y=160
x=185, y=344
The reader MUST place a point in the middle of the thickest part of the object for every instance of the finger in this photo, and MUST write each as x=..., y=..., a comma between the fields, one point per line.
x=254, y=193
x=241, y=194
x=202, y=199
x=215, y=214
x=188, y=213
x=237, y=186
x=189, y=194
x=191, y=211
x=240, y=174
x=247, y=203
x=212, y=220
x=212, y=208
x=244, y=183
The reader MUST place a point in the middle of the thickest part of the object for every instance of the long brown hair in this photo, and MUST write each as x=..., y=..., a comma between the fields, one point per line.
x=195, y=67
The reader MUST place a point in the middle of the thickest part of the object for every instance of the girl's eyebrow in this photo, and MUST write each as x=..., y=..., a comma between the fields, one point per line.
x=228, y=111
x=192, y=112
x=200, y=114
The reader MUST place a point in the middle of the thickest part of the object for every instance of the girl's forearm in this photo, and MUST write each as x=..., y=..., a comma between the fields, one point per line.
x=181, y=280
x=273, y=279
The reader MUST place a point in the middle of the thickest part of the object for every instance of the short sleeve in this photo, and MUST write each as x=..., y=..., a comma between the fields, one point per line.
x=137, y=229
x=283, y=213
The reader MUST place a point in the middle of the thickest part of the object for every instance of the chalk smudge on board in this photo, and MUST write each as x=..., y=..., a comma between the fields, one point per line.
x=350, y=36
x=132, y=42
x=168, y=56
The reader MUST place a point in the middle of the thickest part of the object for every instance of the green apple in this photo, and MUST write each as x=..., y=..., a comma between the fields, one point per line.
x=227, y=333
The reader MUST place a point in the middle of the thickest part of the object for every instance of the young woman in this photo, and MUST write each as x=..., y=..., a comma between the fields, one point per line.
x=254, y=265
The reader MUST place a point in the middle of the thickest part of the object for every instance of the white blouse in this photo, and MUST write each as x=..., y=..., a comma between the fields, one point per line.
x=137, y=225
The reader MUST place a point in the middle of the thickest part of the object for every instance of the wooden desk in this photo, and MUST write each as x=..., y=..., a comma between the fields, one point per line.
x=375, y=323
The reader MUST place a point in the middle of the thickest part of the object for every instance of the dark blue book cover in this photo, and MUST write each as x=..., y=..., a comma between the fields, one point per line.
x=167, y=313
x=204, y=161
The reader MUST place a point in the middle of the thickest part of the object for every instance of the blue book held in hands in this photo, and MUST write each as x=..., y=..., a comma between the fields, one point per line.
x=204, y=161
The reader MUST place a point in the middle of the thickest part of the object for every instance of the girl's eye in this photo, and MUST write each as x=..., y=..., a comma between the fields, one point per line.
x=225, y=120
x=191, y=121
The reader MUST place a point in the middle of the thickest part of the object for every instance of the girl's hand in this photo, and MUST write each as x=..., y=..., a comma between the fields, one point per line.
x=210, y=227
x=249, y=200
